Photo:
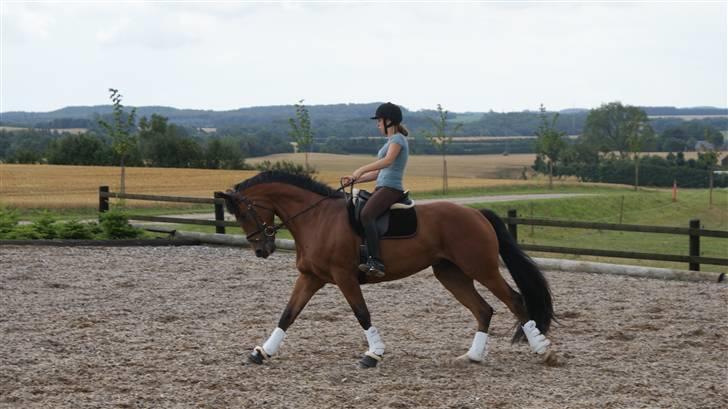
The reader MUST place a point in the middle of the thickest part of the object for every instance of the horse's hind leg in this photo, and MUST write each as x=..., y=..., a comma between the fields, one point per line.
x=486, y=272
x=461, y=286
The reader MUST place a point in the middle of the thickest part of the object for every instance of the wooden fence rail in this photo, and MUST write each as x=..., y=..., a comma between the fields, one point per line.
x=217, y=201
x=693, y=231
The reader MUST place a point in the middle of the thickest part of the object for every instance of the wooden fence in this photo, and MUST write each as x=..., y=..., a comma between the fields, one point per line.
x=217, y=201
x=693, y=231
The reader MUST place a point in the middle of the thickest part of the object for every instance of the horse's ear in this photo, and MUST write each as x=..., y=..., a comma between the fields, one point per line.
x=230, y=201
x=228, y=194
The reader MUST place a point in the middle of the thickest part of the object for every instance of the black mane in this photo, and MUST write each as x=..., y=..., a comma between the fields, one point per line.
x=302, y=181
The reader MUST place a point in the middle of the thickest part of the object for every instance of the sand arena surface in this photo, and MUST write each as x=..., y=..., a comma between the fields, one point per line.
x=169, y=327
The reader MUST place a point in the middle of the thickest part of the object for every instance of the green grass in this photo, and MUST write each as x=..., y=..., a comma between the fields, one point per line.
x=522, y=189
x=93, y=213
x=647, y=207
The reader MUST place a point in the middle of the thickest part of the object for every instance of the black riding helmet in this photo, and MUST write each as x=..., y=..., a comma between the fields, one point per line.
x=389, y=112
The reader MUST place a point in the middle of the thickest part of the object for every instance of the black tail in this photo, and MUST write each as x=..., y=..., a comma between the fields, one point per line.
x=529, y=279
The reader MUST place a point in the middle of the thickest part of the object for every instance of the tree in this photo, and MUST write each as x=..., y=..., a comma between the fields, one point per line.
x=610, y=127
x=441, y=139
x=81, y=149
x=709, y=160
x=223, y=154
x=120, y=131
x=549, y=143
x=639, y=136
x=168, y=145
x=301, y=130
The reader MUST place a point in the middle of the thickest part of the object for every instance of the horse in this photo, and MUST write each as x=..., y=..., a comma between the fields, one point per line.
x=461, y=244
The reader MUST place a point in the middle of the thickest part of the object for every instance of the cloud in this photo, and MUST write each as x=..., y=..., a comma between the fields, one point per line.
x=466, y=56
x=25, y=22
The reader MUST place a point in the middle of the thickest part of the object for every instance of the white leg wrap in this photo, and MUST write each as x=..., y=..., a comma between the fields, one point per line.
x=376, y=346
x=479, y=349
x=538, y=342
x=274, y=342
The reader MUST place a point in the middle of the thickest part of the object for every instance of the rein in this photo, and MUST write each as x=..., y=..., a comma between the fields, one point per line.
x=270, y=230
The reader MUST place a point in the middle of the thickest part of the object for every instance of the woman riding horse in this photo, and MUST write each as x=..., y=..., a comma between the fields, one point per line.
x=388, y=171
x=461, y=245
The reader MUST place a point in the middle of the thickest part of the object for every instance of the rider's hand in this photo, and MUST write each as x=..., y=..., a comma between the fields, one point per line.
x=347, y=180
x=357, y=174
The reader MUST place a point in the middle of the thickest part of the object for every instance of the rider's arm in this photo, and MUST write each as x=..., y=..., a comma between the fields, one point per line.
x=368, y=177
x=385, y=162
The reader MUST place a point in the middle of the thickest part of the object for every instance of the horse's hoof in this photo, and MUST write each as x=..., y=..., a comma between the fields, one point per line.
x=368, y=362
x=256, y=357
x=465, y=359
x=551, y=358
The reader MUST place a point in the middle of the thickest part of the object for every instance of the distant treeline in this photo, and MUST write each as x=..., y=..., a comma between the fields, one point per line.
x=158, y=144
x=341, y=128
x=342, y=120
x=653, y=171
x=169, y=145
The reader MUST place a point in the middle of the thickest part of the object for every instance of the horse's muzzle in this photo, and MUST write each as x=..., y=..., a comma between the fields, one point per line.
x=267, y=250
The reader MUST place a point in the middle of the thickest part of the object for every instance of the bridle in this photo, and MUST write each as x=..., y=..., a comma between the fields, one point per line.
x=269, y=231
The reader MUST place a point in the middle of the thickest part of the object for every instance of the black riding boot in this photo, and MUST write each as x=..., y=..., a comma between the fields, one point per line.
x=374, y=266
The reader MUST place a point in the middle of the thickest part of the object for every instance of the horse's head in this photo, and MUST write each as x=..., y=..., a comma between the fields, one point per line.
x=256, y=219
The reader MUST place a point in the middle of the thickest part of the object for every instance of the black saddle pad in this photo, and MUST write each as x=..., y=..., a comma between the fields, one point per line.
x=393, y=224
x=402, y=223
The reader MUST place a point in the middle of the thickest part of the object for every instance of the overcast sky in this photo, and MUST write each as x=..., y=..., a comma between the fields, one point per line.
x=504, y=56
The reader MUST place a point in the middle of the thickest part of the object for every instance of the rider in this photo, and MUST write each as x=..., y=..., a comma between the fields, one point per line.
x=388, y=171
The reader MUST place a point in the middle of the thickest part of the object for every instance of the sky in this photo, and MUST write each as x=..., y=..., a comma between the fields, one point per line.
x=466, y=56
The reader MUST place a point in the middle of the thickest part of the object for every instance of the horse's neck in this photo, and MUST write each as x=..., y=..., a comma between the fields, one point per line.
x=293, y=206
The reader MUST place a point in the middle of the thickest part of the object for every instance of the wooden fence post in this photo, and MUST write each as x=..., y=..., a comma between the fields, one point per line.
x=512, y=226
x=103, y=201
x=219, y=214
x=694, y=243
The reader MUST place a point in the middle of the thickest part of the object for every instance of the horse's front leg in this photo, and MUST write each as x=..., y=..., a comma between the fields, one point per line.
x=352, y=292
x=306, y=286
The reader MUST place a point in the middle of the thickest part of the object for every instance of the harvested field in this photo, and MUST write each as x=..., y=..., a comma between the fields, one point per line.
x=62, y=187
x=170, y=327
x=458, y=166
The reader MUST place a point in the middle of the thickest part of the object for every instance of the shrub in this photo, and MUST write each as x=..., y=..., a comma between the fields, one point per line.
x=115, y=225
x=75, y=230
x=44, y=226
x=8, y=221
x=24, y=232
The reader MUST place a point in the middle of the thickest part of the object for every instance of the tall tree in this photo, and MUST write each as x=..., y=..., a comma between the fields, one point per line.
x=640, y=136
x=549, y=144
x=301, y=130
x=710, y=159
x=441, y=139
x=121, y=131
x=610, y=127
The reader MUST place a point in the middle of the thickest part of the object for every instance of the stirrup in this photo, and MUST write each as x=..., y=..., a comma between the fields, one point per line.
x=372, y=268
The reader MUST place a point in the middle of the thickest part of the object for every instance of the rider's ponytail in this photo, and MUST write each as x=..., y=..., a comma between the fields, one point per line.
x=401, y=129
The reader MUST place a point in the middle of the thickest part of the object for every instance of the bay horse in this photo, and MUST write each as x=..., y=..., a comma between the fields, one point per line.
x=461, y=245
